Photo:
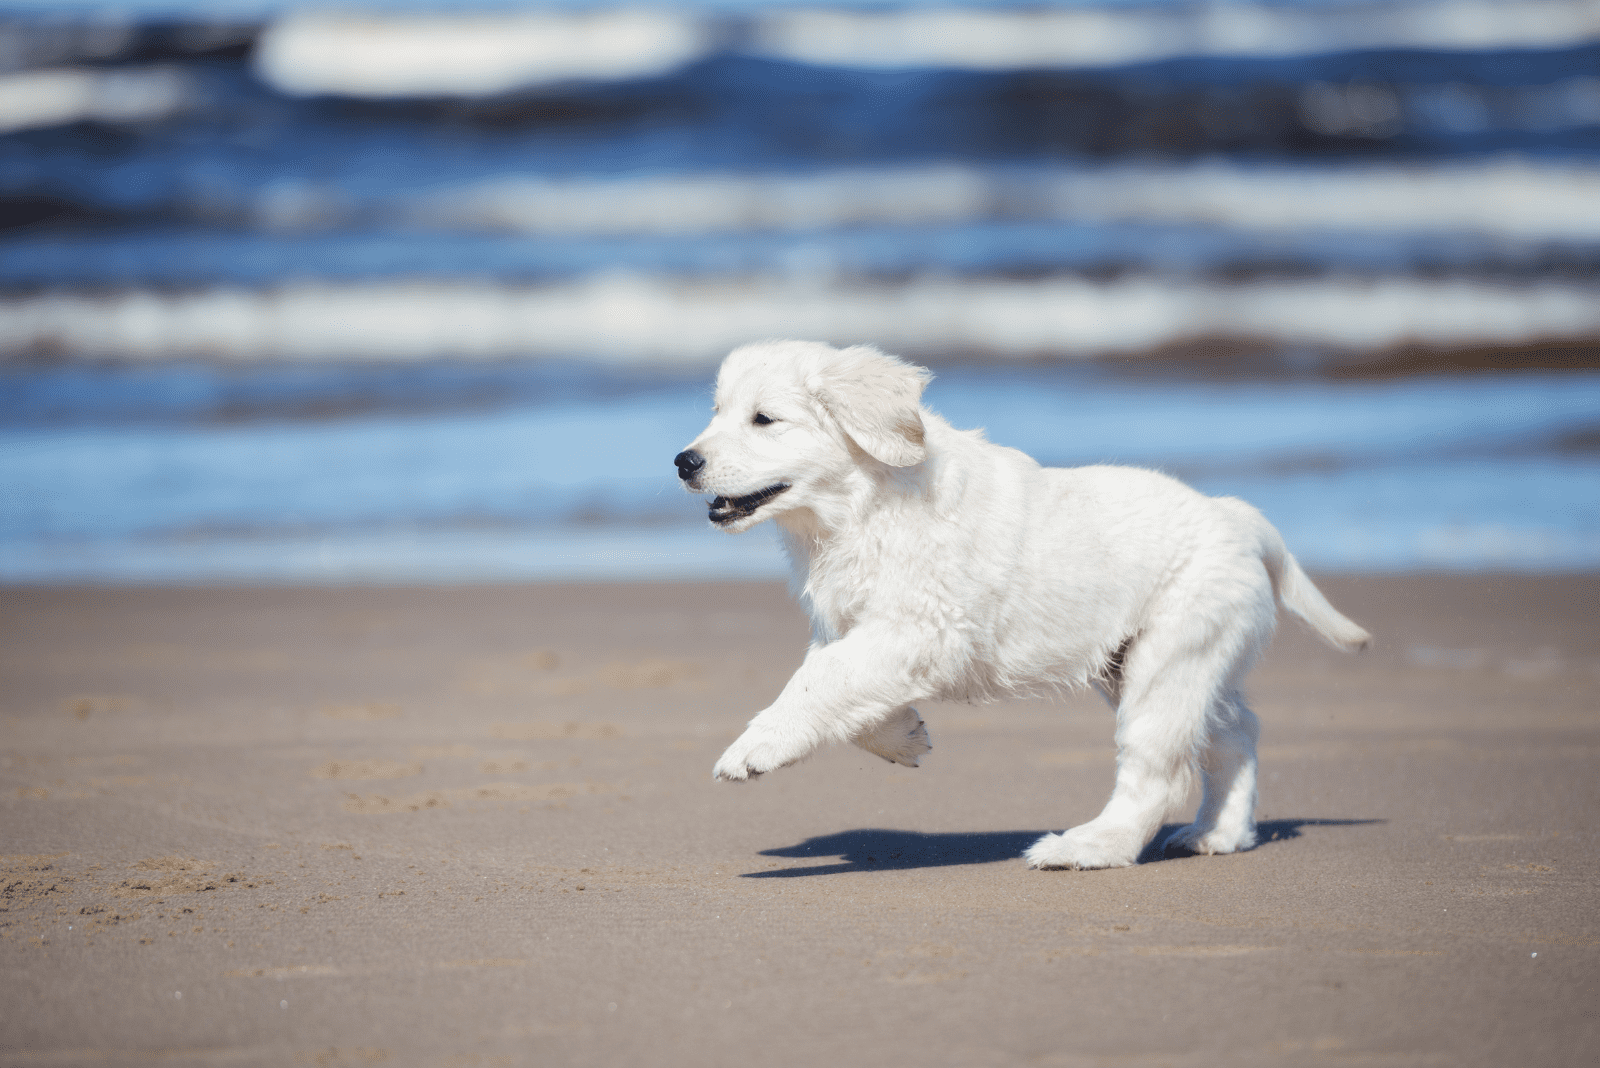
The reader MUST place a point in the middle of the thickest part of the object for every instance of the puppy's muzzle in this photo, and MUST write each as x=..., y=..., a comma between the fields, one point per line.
x=689, y=464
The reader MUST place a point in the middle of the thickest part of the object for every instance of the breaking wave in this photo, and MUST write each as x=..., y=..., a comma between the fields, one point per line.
x=407, y=53
x=641, y=318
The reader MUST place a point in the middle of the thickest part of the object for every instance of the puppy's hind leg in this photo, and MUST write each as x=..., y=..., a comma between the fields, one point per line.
x=901, y=738
x=1154, y=748
x=1172, y=676
x=1226, y=822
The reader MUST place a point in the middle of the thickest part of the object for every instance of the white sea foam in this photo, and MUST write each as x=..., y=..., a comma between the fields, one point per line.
x=987, y=39
x=1507, y=198
x=378, y=55
x=644, y=318
x=411, y=53
x=699, y=203
x=37, y=98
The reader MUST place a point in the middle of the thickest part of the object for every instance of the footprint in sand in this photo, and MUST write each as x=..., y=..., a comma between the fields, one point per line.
x=494, y=792
x=366, y=769
x=1199, y=951
x=650, y=673
x=337, y=1056
x=528, y=732
x=172, y=875
x=1070, y=758
x=372, y=710
x=85, y=705
x=541, y=660
x=440, y=752
x=30, y=879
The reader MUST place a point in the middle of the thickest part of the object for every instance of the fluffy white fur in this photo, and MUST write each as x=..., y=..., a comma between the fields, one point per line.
x=938, y=566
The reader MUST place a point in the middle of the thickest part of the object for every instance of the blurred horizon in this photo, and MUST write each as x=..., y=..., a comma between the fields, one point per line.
x=314, y=292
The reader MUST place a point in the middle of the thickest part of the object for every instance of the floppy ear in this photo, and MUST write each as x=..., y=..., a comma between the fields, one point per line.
x=877, y=399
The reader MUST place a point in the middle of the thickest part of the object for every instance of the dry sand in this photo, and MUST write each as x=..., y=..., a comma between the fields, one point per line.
x=477, y=827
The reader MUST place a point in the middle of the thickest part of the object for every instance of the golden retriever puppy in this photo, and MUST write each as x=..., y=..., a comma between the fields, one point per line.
x=936, y=565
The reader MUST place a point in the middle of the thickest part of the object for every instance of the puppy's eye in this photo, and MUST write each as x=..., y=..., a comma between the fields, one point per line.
x=761, y=419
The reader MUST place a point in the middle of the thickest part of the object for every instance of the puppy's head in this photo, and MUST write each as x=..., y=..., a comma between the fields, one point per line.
x=795, y=421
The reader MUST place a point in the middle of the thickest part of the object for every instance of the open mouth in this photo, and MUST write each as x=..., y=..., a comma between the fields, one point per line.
x=727, y=509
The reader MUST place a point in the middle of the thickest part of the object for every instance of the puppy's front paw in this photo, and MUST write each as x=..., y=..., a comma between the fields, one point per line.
x=759, y=750
x=900, y=739
x=1085, y=847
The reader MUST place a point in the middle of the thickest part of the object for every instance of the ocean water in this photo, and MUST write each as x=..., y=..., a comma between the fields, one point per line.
x=426, y=292
x=454, y=473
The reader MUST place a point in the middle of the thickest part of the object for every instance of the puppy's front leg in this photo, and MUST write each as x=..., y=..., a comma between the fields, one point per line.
x=844, y=691
x=902, y=738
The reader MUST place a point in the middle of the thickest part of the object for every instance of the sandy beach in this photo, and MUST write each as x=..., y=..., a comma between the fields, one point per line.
x=476, y=826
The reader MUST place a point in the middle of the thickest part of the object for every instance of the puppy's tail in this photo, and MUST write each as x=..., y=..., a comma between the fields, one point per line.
x=1299, y=595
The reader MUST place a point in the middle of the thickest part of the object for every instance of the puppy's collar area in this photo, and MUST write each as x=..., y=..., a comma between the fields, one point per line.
x=727, y=509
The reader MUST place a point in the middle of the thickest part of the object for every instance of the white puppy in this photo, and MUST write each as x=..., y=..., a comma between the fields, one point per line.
x=938, y=566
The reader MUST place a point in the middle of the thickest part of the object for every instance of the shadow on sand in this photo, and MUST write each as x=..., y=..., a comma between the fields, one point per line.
x=877, y=849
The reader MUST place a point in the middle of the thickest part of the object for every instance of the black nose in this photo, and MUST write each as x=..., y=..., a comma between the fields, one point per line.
x=689, y=464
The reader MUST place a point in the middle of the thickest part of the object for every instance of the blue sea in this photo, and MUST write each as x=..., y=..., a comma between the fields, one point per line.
x=192, y=473
x=430, y=292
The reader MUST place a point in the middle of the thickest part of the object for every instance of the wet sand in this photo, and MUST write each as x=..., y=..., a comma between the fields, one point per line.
x=476, y=826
